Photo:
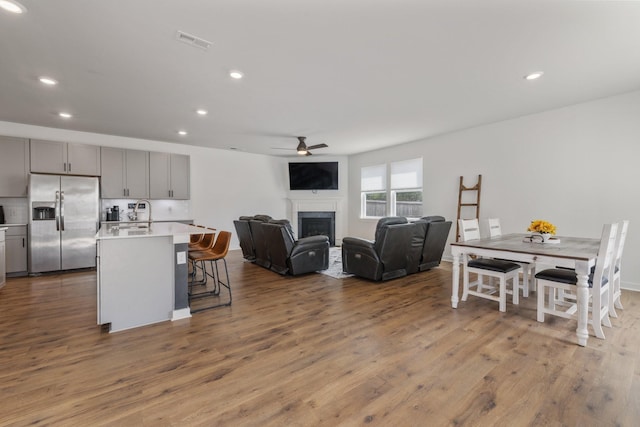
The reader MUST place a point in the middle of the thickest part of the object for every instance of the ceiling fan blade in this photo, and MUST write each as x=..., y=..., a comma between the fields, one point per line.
x=313, y=147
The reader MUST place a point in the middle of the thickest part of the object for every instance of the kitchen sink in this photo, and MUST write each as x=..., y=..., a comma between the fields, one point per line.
x=137, y=231
x=125, y=226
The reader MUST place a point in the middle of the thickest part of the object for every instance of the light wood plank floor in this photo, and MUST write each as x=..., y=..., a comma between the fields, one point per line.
x=311, y=351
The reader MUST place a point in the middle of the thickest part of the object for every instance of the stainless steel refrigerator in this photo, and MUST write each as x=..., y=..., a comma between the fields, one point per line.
x=63, y=222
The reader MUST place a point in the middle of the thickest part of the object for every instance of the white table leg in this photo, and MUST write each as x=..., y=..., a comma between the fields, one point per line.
x=583, y=302
x=455, y=279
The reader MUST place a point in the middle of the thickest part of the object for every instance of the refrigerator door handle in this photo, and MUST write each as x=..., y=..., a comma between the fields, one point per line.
x=57, y=210
x=62, y=210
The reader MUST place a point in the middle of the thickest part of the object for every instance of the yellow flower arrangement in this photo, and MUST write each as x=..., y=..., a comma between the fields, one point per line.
x=542, y=226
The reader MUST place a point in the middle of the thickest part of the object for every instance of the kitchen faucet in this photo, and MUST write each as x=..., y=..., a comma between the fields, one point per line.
x=134, y=215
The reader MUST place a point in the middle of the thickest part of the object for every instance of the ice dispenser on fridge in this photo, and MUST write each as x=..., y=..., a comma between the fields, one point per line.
x=43, y=211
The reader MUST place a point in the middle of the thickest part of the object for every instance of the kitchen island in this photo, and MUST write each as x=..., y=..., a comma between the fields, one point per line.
x=3, y=268
x=142, y=273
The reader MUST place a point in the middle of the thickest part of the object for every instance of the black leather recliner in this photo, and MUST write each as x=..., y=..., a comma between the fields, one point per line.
x=290, y=256
x=400, y=248
x=259, y=242
x=243, y=231
x=436, y=232
x=384, y=258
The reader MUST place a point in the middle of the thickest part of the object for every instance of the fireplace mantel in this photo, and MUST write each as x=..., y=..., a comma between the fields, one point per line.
x=325, y=204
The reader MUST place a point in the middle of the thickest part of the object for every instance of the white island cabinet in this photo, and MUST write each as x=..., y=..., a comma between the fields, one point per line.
x=142, y=274
x=3, y=272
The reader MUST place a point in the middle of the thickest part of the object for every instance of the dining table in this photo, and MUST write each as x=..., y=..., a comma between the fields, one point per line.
x=578, y=253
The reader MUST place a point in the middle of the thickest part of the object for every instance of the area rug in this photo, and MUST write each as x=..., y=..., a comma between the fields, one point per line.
x=335, y=264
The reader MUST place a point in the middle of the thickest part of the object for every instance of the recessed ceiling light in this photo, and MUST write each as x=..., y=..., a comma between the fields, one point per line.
x=201, y=112
x=534, y=76
x=236, y=75
x=48, y=81
x=65, y=115
x=12, y=6
x=182, y=132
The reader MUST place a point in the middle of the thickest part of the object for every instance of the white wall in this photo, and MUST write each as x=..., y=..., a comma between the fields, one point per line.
x=224, y=184
x=576, y=167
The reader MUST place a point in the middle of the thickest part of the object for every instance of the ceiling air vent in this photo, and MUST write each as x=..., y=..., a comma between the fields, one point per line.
x=193, y=40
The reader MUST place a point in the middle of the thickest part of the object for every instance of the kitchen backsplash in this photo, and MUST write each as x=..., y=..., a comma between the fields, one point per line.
x=15, y=210
x=162, y=210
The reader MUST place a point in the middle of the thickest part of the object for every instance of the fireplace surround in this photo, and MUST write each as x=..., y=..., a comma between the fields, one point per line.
x=319, y=204
x=317, y=223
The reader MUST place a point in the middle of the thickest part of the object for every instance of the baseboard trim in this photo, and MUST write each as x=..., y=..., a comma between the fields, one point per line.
x=629, y=286
x=183, y=313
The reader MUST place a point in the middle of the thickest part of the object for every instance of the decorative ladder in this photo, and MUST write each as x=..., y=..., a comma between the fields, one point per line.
x=474, y=203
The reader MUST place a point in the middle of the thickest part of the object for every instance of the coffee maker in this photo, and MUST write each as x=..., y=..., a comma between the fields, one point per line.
x=113, y=214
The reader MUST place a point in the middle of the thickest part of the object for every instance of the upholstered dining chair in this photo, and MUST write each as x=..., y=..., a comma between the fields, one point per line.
x=528, y=269
x=559, y=282
x=502, y=270
x=614, y=292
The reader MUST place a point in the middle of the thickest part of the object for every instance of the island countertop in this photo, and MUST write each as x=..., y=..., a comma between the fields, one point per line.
x=179, y=231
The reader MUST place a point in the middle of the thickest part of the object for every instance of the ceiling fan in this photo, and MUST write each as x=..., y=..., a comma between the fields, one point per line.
x=305, y=150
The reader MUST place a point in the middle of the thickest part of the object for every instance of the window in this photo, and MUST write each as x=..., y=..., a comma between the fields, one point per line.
x=406, y=188
x=403, y=197
x=373, y=187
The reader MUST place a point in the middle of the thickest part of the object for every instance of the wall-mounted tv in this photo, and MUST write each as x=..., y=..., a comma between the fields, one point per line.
x=313, y=175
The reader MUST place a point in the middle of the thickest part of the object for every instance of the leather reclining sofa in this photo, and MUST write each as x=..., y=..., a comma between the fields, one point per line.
x=271, y=244
x=400, y=248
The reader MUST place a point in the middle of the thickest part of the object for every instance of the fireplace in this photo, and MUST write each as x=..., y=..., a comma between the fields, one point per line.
x=317, y=223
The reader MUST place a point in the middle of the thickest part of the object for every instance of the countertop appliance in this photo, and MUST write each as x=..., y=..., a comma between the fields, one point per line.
x=63, y=221
x=113, y=213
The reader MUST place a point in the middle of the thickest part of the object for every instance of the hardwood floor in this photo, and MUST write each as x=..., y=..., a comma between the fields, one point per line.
x=311, y=351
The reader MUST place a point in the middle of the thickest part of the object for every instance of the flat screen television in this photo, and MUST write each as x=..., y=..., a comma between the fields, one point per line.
x=313, y=175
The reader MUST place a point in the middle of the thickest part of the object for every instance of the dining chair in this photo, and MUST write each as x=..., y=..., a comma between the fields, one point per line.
x=556, y=282
x=499, y=269
x=528, y=269
x=614, y=292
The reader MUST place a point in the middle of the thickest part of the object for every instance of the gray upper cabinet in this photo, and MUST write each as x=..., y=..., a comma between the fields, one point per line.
x=65, y=158
x=14, y=166
x=125, y=173
x=168, y=176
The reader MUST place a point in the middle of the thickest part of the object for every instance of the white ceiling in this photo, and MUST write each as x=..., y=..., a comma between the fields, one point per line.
x=355, y=74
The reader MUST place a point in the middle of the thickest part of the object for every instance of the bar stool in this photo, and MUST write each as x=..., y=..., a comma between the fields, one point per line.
x=212, y=255
x=205, y=243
